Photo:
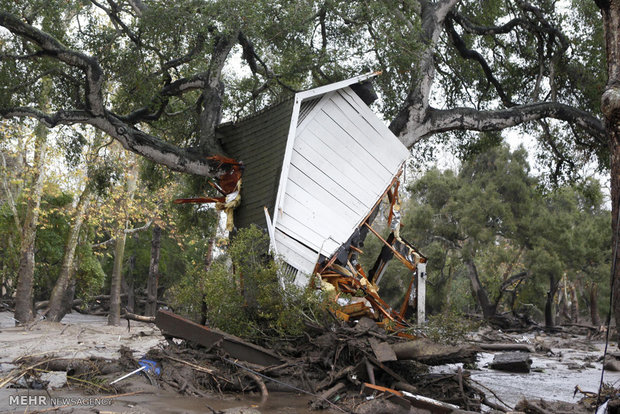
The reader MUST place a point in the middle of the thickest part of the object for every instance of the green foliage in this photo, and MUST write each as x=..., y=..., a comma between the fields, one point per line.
x=493, y=215
x=449, y=327
x=254, y=300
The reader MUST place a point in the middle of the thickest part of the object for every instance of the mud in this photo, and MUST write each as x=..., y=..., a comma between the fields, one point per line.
x=561, y=362
x=154, y=401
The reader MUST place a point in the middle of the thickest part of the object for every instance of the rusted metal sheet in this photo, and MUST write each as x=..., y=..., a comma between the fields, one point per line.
x=179, y=327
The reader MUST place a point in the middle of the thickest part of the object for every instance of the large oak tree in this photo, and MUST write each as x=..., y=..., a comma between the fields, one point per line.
x=151, y=74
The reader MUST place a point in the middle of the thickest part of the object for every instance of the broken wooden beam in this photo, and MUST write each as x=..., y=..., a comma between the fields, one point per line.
x=426, y=403
x=512, y=362
x=322, y=400
x=179, y=327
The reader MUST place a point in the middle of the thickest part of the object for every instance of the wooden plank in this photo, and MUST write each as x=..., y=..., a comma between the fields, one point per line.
x=387, y=151
x=341, y=128
x=319, y=217
x=298, y=230
x=358, y=128
x=379, y=126
x=350, y=180
x=336, y=153
x=330, y=197
x=396, y=253
x=296, y=245
x=329, y=179
x=284, y=173
x=329, y=133
x=335, y=165
x=236, y=347
x=295, y=253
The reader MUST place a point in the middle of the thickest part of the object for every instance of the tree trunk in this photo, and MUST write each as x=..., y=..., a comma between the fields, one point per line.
x=25, y=275
x=152, y=282
x=128, y=285
x=56, y=309
x=594, y=315
x=488, y=309
x=208, y=262
x=549, y=308
x=114, y=317
x=68, y=297
x=610, y=106
x=574, y=306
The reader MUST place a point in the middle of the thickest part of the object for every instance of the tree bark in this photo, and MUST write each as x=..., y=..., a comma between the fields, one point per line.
x=208, y=262
x=152, y=282
x=549, y=308
x=574, y=307
x=25, y=275
x=114, y=318
x=488, y=309
x=610, y=106
x=213, y=95
x=56, y=309
x=128, y=285
x=594, y=315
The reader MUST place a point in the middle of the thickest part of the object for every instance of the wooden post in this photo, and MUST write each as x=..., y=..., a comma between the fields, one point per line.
x=421, y=269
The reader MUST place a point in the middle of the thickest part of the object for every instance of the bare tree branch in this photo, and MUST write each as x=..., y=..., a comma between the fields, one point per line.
x=126, y=231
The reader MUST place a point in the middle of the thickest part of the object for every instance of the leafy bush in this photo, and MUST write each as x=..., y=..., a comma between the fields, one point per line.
x=246, y=294
x=449, y=327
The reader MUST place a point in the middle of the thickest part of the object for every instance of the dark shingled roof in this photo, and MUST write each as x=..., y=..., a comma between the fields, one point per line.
x=259, y=141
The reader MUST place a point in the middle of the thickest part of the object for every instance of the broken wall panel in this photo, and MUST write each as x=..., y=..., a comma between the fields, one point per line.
x=339, y=162
x=258, y=141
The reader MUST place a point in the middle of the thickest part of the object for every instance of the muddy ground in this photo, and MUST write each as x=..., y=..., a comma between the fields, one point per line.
x=562, y=361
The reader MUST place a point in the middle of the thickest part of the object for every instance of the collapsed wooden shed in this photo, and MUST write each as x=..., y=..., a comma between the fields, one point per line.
x=316, y=168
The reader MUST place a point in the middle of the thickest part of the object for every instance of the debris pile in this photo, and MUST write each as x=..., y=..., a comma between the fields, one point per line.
x=340, y=368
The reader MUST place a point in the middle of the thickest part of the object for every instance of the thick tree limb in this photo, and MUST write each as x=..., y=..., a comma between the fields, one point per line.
x=132, y=139
x=213, y=93
x=437, y=120
x=414, y=110
x=50, y=120
x=468, y=53
x=53, y=48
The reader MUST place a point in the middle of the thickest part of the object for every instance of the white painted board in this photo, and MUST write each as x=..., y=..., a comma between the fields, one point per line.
x=340, y=160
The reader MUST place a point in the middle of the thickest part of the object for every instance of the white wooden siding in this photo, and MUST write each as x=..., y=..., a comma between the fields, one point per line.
x=341, y=160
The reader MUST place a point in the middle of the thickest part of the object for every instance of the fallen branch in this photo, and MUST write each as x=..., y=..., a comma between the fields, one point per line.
x=139, y=318
x=261, y=385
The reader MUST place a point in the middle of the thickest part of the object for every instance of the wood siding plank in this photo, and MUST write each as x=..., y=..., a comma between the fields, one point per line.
x=329, y=178
x=335, y=165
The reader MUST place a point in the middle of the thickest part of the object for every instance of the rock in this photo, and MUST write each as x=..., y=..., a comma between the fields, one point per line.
x=55, y=379
x=512, y=362
x=241, y=410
